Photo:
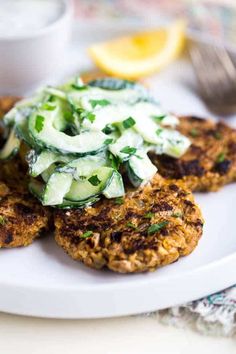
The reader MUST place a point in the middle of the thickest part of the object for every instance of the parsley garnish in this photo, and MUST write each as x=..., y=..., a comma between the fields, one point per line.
x=194, y=133
x=220, y=158
x=128, y=123
x=148, y=215
x=3, y=220
x=87, y=115
x=108, y=141
x=159, y=118
x=128, y=150
x=86, y=234
x=39, y=123
x=217, y=135
x=131, y=225
x=102, y=103
x=48, y=107
x=156, y=227
x=94, y=180
x=119, y=201
x=108, y=129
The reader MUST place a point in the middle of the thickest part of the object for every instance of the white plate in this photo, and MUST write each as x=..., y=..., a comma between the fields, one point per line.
x=41, y=280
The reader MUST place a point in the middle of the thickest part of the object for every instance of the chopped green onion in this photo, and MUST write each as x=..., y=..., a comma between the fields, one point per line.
x=86, y=234
x=128, y=123
x=220, y=158
x=39, y=123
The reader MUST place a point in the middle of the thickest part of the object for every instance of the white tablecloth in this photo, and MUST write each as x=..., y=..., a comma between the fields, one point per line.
x=127, y=335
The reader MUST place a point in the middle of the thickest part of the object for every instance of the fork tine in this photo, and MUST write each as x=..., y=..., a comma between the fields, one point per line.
x=215, y=71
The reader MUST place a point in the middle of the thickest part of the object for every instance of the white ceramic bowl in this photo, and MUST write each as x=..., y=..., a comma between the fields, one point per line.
x=27, y=60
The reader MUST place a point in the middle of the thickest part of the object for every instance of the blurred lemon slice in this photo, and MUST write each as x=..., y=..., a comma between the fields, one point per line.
x=142, y=54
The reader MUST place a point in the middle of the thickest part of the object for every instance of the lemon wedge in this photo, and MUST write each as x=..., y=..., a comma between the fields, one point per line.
x=142, y=54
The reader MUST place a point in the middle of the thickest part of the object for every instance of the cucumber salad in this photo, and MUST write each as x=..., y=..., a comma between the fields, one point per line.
x=80, y=137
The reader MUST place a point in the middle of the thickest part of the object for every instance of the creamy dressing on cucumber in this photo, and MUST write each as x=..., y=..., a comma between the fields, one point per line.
x=81, y=137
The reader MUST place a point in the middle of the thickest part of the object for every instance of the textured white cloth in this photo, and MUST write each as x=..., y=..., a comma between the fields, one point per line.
x=214, y=314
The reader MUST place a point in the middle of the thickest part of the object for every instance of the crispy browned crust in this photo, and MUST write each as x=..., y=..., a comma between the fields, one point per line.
x=209, y=163
x=22, y=218
x=6, y=103
x=128, y=248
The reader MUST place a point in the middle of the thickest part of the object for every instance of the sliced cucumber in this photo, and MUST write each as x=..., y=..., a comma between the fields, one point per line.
x=116, y=84
x=115, y=187
x=57, y=187
x=68, y=204
x=84, y=189
x=40, y=162
x=11, y=146
x=55, y=92
x=128, y=139
x=48, y=172
x=140, y=169
x=87, y=143
x=36, y=188
x=84, y=166
x=174, y=143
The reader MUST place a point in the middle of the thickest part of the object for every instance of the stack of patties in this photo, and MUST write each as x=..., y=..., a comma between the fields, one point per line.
x=153, y=224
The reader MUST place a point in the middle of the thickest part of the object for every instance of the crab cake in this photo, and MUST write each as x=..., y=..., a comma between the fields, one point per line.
x=148, y=228
x=209, y=163
x=22, y=218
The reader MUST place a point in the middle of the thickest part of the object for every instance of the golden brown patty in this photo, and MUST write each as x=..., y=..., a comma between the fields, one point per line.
x=6, y=103
x=22, y=218
x=209, y=163
x=153, y=227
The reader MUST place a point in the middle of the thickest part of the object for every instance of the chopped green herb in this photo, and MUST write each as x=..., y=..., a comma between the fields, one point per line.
x=149, y=215
x=156, y=227
x=102, y=103
x=87, y=115
x=51, y=98
x=48, y=107
x=177, y=215
x=217, y=135
x=94, y=180
x=86, y=234
x=39, y=123
x=159, y=118
x=115, y=161
x=131, y=225
x=220, y=158
x=128, y=123
x=108, y=129
x=108, y=141
x=128, y=150
x=159, y=131
x=3, y=220
x=194, y=133
x=69, y=117
x=119, y=201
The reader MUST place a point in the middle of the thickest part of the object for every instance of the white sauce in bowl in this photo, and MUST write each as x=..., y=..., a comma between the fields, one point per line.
x=23, y=17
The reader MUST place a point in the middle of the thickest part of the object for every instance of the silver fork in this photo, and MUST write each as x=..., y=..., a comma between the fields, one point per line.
x=216, y=76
